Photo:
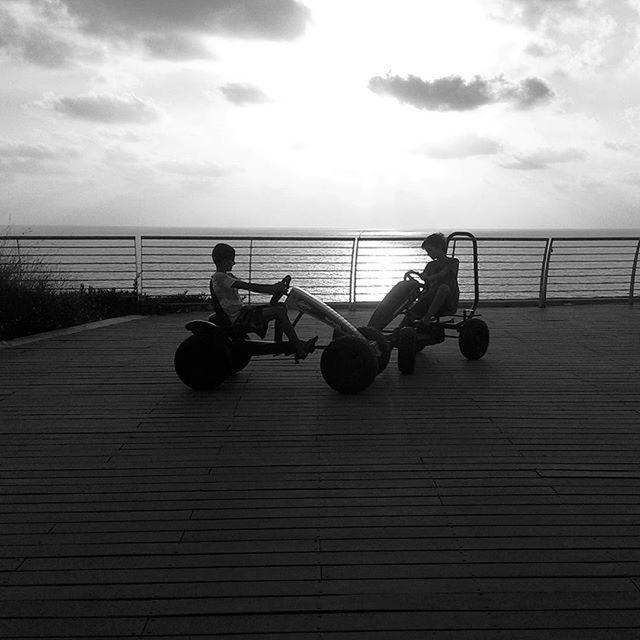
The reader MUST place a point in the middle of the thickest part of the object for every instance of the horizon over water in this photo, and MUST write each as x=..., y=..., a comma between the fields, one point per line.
x=128, y=230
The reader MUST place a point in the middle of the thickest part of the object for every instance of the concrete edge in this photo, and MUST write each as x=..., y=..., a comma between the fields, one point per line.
x=37, y=337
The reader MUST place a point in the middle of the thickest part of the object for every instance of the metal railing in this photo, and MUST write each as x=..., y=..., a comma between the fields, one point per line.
x=340, y=269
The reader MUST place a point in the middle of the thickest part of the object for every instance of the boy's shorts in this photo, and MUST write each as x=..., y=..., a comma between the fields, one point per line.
x=251, y=319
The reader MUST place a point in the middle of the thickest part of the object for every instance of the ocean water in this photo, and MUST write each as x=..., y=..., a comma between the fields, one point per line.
x=336, y=265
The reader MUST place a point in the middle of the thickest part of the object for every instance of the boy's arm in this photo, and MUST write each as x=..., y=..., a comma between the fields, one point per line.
x=448, y=269
x=269, y=289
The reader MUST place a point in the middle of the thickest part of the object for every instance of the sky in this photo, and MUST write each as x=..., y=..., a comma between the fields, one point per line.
x=342, y=114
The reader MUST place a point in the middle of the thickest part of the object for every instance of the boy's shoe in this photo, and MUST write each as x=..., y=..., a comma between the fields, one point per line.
x=307, y=347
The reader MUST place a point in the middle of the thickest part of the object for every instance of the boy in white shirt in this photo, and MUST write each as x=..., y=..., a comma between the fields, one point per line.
x=225, y=286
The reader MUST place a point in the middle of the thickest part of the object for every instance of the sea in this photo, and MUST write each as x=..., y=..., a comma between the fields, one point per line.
x=337, y=265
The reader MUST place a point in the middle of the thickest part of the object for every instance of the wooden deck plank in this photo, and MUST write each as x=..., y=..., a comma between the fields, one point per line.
x=489, y=499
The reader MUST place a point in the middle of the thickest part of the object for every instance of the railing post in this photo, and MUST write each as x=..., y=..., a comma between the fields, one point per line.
x=634, y=270
x=141, y=280
x=250, y=267
x=353, y=273
x=544, y=273
x=137, y=255
x=19, y=258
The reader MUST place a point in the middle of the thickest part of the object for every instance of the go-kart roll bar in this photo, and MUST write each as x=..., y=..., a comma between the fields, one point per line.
x=476, y=287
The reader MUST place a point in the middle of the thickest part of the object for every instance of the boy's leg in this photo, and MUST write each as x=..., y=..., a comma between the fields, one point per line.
x=440, y=297
x=419, y=308
x=283, y=324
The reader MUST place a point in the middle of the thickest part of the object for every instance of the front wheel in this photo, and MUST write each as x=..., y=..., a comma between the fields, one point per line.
x=473, y=339
x=348, y=364
x=382, y=345
x=407, y=347
x=203, y=361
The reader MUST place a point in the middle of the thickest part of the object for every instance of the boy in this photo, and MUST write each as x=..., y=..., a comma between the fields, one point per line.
x=441, y=277
x=224, y=285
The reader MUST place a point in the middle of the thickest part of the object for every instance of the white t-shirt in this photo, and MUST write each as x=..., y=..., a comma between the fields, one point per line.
x=228, y=296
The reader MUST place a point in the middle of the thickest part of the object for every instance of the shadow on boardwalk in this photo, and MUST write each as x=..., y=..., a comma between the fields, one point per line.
x=489, y=499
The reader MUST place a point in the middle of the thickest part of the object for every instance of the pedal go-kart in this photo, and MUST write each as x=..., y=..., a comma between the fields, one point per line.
x=216, y=349
x=472, y=332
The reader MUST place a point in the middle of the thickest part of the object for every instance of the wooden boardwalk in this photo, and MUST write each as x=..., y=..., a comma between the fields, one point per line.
x=489, y=499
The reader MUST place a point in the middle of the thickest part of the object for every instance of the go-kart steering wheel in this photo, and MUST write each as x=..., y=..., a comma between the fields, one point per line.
x=275, y=298
x=411, y=275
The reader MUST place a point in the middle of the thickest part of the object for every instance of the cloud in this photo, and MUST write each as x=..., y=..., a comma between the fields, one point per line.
x=242, y=94
x=176, y=46
x=543, y=158
x=22, y=157
x=632, y=179
x=453, y=93
x=623, y=147
x=106, y=108
x=585, y=33
x=265, y=19
x=33, y=38
x=533, y=13
x=193, y=169
x=536, y=50
x=530, y=92
x=462, y=147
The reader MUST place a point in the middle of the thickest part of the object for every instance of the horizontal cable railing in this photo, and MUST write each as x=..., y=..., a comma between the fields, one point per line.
x=338, y=269
x=69, y=262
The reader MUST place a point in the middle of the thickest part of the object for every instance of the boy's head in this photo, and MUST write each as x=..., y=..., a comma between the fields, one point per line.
x=223, y=256
x=435, y=245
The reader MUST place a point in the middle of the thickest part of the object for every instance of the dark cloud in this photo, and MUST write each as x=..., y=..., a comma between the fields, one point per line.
x=543, y=158
x=453, y=93
x=106, y=108
x=266, y=19
x=529, y=93
x=242, y=94
x=444, y=94
x=32, y=40
x=176, y=46
x=463, y=147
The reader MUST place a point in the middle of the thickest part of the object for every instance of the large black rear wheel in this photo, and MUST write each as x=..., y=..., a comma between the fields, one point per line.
x=473, y=339
x=203, y=361
x=240, y=355
x=407, y=347
x=348, y=364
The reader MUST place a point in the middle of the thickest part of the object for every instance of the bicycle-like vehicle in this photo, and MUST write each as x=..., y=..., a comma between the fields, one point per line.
x=471, y=332
x=217, y=349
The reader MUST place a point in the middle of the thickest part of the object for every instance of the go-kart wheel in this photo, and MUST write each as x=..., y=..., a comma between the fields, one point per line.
x=348, y=364
x=382, y=344
x=400, y=296
x=240, y=355
x=407, y=343
x=473, y=338
x=203, y=361
x=275, y=298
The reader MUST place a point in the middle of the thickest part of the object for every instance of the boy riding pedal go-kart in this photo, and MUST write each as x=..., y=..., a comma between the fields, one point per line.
x=221, y=346
x=428, y=302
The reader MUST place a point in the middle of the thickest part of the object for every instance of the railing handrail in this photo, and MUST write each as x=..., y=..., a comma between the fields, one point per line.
x=558, y=268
